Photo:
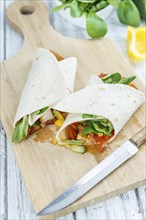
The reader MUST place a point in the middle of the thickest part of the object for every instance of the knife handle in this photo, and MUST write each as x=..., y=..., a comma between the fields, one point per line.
x=139, y=138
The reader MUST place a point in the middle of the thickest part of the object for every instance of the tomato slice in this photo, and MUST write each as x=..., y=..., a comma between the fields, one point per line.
x=106, y=137
x=101, y=75
x=72, y=132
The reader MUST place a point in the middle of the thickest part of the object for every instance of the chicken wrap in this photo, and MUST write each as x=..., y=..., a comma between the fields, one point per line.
x=98, y=112
x=48, y=82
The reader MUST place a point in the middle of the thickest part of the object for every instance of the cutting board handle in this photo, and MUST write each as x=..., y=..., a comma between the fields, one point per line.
x=29, y=18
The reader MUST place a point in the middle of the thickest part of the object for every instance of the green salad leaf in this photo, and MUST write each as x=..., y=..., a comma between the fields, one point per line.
x=21, y=130
x=127, y=80
x=95, y=26
x=112, y=78
x=128, y=13
x=75, y=10
x=88, y=116
x=103, y=126
x=117, y=78
x=114, y=3
x=41, y=111
x=36, y=123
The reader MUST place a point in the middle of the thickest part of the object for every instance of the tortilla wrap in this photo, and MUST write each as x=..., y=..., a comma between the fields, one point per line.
x=48, y=82
x=109, y=101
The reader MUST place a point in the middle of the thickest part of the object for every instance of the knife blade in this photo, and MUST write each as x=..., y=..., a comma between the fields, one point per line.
x=98, y=173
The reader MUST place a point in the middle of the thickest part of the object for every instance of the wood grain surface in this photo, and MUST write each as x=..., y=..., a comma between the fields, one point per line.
x=17, y=100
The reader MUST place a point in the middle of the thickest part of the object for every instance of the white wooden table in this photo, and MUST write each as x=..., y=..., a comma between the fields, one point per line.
x=15, y=202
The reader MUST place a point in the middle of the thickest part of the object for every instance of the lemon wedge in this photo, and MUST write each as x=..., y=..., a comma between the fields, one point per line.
x=136, y=42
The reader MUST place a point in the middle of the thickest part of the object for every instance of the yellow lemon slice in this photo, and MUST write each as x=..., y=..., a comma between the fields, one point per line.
x=136, y=43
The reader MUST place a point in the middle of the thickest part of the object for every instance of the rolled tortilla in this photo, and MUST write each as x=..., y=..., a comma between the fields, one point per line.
x=48, y=82
x=108, y=101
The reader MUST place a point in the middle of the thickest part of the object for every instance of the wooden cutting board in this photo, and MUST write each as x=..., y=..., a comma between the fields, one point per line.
x=49, y=170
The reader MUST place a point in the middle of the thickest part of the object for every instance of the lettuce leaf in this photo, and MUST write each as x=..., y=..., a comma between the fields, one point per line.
x=112, y=78
x=117, y=78
x=127, y=80
x=88, y=116
x=41, y=111
x=21, y=130
x=103, y=126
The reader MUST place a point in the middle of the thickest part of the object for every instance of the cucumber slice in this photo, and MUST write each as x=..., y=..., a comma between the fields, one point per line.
x=78, y=149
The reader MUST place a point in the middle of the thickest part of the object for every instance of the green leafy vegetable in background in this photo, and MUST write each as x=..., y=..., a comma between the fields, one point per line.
x=75, y=10
x=21, y=130
x=95, y=26
x=41, y=111
x=141, y=5
x=129, y=12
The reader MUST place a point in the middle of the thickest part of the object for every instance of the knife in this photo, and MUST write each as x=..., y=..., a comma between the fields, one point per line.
x=98, y=173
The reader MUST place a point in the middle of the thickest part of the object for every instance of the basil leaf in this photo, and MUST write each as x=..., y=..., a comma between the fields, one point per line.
x=112, y=78
x=41, y=111
x=74, y=142
x=88, y=116
x=127, y=80
x=21, y=130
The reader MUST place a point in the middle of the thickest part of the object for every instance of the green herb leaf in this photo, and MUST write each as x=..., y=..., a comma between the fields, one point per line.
x=75, y=10
x=103, y=126
x=128, y=13
x=141, y=5
x=87, y=1
x=114, y=3
x=58, y=8
x=89, y=129
x=74, y=142
x=41, y=111
x=21, y=130
x=127, y=80
x=101, y=5
x=36, y=123
x=95, y=26
x=88, y=116
x=112, y=78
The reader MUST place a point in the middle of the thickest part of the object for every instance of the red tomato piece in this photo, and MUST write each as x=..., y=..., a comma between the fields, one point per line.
x=73, y=132
x=106, y=137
